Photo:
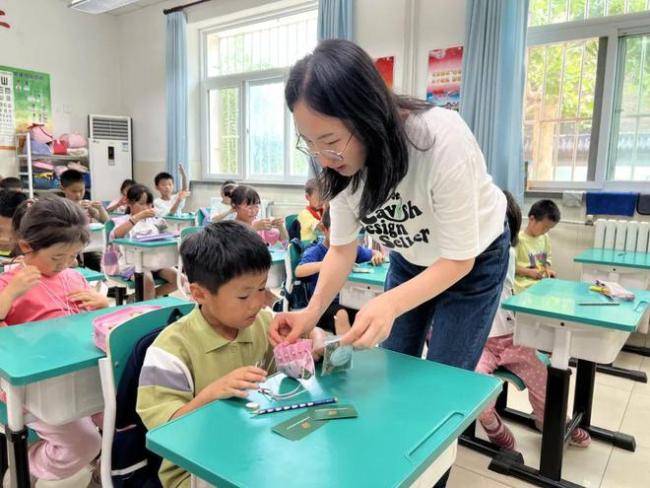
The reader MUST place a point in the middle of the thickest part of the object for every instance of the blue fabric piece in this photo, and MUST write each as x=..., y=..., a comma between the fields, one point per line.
x=492, y=89
x=335, y=19
x=176, y=91
x=611, y=203
x=316, y=253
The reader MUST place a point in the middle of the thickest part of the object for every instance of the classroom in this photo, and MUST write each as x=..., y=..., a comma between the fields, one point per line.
x=324, y=243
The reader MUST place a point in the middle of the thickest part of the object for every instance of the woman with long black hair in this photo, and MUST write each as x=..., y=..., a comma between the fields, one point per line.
x=414, y=177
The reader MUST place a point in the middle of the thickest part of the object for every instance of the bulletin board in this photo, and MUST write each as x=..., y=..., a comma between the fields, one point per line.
x=25, y=98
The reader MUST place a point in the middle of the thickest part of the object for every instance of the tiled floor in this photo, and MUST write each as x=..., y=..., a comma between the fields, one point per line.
x=619, y=404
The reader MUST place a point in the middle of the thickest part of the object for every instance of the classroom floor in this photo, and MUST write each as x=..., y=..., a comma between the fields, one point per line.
x=619, y=404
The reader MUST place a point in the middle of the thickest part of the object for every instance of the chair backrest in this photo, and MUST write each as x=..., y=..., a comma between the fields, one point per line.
x=188, y=231
x=292, y=225
x=108, y=228
x=123, y=338
x=202, y=214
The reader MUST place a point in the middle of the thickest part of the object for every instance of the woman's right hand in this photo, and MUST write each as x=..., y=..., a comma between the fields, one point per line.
x=262, y=224
x=290, y=326
x=145, y=214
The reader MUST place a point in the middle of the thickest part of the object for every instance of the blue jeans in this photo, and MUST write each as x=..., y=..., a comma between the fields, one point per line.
x=460, y=318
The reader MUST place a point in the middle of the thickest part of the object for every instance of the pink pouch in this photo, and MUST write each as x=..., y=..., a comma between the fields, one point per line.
x=104, y=324
x=74, y=140
x=59, y=147
x=295, y=360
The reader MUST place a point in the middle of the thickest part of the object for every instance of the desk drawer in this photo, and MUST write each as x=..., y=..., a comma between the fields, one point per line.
x=356, y=295
x=65, y=398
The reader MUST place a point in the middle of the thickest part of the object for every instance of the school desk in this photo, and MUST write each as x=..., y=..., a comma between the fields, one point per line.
x=411, y=412
x=277, y=273
x=363, y=287
x=177, y=222
x=550, y=317
x=50, y=369
x=97, y=241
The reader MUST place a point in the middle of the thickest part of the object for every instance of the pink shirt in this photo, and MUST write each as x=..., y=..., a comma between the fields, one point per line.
x=47, y=300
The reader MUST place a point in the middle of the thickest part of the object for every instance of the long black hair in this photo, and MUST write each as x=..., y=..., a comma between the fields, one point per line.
x=513, y=214
x=340, y=80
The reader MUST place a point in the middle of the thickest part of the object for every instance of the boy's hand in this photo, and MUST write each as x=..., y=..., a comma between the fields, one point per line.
x=236, y=383
x=181, y=168
x=23, y=281
x=534, y=274
x=377, y=258
x=89, y=299
x=96, y=205
x=550, y=273
x=182, y=195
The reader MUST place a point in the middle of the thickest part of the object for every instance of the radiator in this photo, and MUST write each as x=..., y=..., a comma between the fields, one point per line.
x=623, y=235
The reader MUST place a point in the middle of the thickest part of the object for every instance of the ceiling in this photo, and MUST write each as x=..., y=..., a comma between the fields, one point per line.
x=132, y=7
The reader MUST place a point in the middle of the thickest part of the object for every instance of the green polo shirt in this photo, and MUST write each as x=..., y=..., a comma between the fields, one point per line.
x=185, y=358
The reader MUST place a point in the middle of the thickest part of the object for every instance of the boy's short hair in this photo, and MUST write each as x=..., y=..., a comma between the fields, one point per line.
x=221, y=252
x=70, y=177
x=326, y=220
x=10, y=201
x=229, y=182
x=11, y=183
x=513, y=214
x=126, y=184
x=311, y=185
x=162, y=176
x=545, y=209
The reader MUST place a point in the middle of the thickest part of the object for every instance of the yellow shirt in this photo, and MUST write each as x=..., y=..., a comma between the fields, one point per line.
x=534, y=253
x=184, y=359
x=308, y=225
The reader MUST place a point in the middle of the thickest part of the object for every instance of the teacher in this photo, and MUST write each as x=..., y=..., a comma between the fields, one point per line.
x=415, y=178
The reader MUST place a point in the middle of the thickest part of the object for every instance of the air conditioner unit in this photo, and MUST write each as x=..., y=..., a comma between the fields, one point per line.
x=98, y=6
x=110, y=147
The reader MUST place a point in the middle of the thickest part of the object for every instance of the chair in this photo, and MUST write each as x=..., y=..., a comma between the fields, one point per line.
x=120, y=344
x=180, y=285
x=294, y=294
x=31, y=438
x=292, y=224
x=202, y=215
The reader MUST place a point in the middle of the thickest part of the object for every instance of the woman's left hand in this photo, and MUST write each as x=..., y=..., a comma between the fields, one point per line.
x=372, y=324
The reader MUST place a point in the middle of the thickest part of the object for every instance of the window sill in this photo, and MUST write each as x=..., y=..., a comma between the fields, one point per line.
x=219, y=182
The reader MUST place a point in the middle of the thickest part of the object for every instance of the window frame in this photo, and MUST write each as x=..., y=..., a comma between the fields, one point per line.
x=611, y=28
x=243, y=81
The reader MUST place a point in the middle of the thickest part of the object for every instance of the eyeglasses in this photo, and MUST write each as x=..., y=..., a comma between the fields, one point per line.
x=326, y=153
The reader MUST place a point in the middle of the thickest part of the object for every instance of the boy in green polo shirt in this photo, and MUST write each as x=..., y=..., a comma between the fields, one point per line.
x=210, y=353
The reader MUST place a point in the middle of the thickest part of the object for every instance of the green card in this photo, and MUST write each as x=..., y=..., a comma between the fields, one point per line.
x=333, y=412
x=298, y=427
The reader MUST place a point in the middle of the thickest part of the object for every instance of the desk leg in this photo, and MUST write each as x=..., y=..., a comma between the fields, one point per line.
x=642, y=350
x=139, y=276
x=16, y=433
x=3, y=455
x=557, y=396
x=583, y=401
x=610, y=369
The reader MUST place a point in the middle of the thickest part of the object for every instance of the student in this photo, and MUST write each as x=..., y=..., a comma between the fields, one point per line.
x=246, y=202
x=50, y=233
x=141, y=219
x=211, y=353
x=534, y=247
x=310, y=217
x=74, y=189
x=500, y=351
x=223, y=210
x=170, y=203
x=9, y=202
x=312, y=261
x=11, y=183
x=119, y=204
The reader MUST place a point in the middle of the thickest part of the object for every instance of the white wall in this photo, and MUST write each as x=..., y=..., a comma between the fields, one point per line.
x=380, y=28
x=78, y=51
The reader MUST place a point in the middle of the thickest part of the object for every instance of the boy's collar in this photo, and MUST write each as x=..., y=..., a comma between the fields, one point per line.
x=212, y=340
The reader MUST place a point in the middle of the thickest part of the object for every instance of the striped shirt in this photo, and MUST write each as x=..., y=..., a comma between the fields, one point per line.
x=184, y=359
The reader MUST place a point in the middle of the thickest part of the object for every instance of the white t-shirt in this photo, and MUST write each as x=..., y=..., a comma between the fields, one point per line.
x=446, y=205
x=504, y=320
x=163, y=207
x=218, y=207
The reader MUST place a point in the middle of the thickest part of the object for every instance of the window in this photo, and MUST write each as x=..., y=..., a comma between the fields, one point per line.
x=249, y=132
x=585, y=106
